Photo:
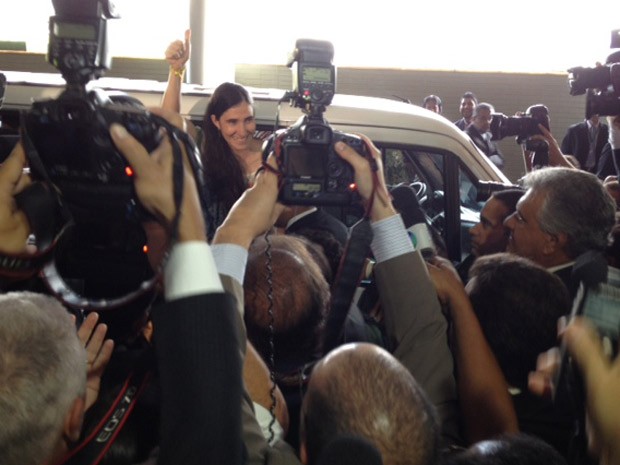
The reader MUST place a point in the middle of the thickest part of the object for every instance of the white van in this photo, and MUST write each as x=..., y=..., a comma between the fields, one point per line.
x=419, y=147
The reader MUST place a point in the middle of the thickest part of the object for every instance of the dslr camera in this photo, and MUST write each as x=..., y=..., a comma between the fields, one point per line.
x=521, y=126
x=99, y=248
x=524, y=127
x=72, y=147
x=601, y=84
x=313, y=173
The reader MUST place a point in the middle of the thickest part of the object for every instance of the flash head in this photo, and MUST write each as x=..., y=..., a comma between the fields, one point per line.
x=314, y=75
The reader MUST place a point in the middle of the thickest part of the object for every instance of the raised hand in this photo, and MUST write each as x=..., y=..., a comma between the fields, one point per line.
x=98, y=353
x=177, y=53
x=14, y=226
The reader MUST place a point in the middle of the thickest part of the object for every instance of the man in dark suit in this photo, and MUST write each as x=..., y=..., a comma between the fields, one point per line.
x=585, y=141
x=468, y=103
x=479, y=131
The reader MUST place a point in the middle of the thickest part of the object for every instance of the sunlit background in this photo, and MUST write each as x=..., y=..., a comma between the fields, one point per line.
x=475, y=35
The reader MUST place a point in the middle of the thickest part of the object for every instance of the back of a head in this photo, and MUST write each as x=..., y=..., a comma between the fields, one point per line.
x=42, y=367
x=509, y=198
x=518, y=449
x=361, y=389
x=576, y=204
x=349, y=449
x=300, y=298
x=483, y=106
x=518, y=304
x=322, y=247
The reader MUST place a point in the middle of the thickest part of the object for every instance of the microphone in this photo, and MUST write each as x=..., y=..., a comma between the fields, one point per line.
x=406, y=202
x=350, y=450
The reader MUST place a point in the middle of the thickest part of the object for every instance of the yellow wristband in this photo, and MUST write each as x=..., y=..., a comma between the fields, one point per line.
x=178, y=72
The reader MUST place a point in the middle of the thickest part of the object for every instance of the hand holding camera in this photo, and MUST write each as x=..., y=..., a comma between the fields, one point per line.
x=369, y=178
x=154, y=184
x=255, y=211
x=14, y=226
x=312, y=172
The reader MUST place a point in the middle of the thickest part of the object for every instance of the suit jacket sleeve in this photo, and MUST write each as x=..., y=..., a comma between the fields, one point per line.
x=257, y=450
x=417, y=332
x=199, y=362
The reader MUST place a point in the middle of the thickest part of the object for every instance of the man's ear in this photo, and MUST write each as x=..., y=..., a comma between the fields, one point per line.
x=555, y=243
x=72, y=426
x=216, y=122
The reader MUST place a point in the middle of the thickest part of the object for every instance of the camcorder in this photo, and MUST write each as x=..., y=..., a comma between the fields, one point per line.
x=601, y=84
x=524, y=127
x=101, y=248
x=313, y=173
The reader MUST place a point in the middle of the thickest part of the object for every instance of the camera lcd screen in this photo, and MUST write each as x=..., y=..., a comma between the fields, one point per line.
x=305, y=161
x=75, y=31
x=316, y=74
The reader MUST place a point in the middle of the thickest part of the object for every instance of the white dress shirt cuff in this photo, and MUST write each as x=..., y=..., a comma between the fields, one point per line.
x=230, y=260
x=190, y=271
x=390, y=239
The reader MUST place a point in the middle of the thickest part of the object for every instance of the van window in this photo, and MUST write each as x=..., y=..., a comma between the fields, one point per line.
x=424, y=170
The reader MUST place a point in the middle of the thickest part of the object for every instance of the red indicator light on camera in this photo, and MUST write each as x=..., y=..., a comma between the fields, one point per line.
x=128, y=171
x=353, y=187
x=145, y=248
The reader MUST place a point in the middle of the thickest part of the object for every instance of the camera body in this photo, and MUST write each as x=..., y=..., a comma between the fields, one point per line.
x=313, y=173
x=72, y=142
x=601, y=84
x=521, y=126
x=99, y=252
x=70, y=134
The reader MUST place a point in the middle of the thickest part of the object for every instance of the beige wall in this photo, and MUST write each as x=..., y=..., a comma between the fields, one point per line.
x=507, y=92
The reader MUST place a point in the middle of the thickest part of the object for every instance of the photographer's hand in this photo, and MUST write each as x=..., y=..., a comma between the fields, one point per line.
x=601, y=377
x=14, y=226
x=369, y=179
x=556, y=157
x=154, y=184
x=98, y=353
x=481, y=381
x=254, y=212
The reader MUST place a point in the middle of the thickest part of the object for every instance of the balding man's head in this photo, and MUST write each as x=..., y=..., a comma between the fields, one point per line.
x=300, y=296
x=363, y=390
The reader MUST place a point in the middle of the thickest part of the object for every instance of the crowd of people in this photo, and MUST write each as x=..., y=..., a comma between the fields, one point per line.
x=240, y=360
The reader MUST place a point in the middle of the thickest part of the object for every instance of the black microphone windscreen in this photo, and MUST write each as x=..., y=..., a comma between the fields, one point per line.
x=350, y=450
x=406, y=202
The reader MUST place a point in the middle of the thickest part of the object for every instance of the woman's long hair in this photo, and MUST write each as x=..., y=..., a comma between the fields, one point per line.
x=223, y=172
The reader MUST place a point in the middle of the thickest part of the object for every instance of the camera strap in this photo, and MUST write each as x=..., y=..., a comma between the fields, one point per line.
x=47, y=218
x=92, y=449
x=347, y=280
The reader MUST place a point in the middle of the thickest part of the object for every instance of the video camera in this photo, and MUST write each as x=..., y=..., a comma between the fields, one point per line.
x=69, y=148
x=601, y=84
x=524, y=127
x=313, y=173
